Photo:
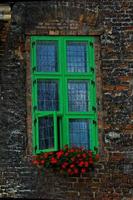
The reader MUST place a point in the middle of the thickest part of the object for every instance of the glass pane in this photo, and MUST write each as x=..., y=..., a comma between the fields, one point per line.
x=46, y=54
x=46, y=133
x=48, y=99
x=77, y=57
x=79, y=132
x=78, y=96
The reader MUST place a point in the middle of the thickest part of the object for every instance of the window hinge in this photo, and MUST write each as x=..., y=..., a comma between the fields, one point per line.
x=33, y=69
x=35, y=120
x=35, y=107
x=94, y=122
x=33, y=43
x=34, y=81
x=92, y=69
x=94, y=108
x=91, y=44
x=93, y=82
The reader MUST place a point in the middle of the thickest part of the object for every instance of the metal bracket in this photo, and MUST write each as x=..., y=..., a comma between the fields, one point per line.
x=33, y=43
x=35, y=120
x=33, y=69
x=93, y=82
x=35, y=107
x=92, y=69
x=91, y=44
x=94, y=108
x=34, y=81
x=94, y=122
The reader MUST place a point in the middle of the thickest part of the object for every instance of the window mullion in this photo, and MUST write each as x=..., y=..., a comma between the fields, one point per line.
x=63, y=136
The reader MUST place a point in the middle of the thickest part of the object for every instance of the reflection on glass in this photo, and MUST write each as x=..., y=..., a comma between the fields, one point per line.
x=77, y=57
x=79, y=132
x=46, y=132
x=46, y=55
x=78, y=96
x=48, y=95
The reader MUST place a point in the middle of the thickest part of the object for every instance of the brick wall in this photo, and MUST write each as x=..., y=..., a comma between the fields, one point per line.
x=110, y=22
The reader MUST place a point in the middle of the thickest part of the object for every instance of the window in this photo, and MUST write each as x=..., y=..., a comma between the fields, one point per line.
x=63, y=92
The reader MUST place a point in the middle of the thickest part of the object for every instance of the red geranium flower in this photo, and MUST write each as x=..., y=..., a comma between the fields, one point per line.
x=81, y=163
x=84, y=155
x=72, y=166
x=97, y=156
x=66, y=154
x=83, y=170
x=76, y=171
x=45, y=155
x=53, y=160
x=64, y=165
x=70, y=171
x=86, y=164
x=42, y=162
x=78, y=155
x=59, y=154
x=73, y=159
x=81, y=148
x=90, y=153
x=35, y=162
x=72, y=150
x=90, y=161
x=34, y=157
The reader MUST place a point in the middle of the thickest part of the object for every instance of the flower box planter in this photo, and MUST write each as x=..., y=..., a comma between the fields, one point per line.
x=68, y=161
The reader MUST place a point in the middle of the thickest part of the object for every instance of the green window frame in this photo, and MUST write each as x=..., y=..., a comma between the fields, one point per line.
x=60, y=52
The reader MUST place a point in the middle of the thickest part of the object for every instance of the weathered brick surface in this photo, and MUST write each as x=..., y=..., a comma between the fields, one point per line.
x=111, y=24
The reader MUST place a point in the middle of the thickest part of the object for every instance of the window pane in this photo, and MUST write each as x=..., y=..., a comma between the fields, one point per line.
x=78, y=96
x=77, y=57
x=46, y=133
x=79, y=132
x=48, y=95
x=46, y=56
